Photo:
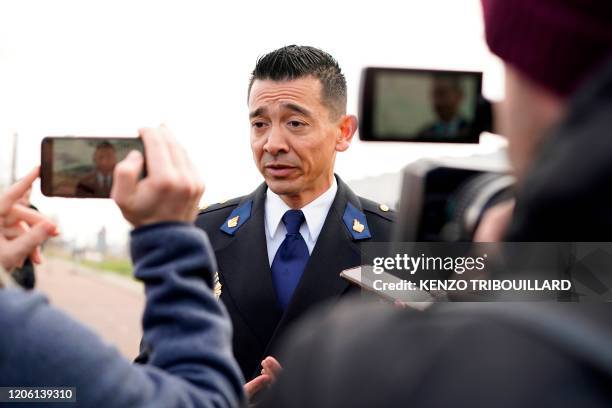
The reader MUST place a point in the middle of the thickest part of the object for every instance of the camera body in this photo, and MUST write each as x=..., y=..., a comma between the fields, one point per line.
x=420, y=105
x=443, y=200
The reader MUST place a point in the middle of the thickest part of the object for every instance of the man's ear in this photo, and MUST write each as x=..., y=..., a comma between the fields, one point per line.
x=348, y=127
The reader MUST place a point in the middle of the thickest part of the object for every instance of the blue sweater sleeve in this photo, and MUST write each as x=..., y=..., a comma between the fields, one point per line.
x=186, y=328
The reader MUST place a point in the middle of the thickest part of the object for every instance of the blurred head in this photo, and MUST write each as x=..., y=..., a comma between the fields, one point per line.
x=105, y=158
x=297, y=110
x=550, y=48
x=446, y=96
x=525, y=118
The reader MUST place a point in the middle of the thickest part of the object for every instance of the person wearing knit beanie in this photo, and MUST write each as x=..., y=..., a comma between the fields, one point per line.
x=557, y=44
x=550, y=48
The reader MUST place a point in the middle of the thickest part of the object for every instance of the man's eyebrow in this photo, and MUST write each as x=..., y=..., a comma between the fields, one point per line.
x=297, y=108
x=257, y=112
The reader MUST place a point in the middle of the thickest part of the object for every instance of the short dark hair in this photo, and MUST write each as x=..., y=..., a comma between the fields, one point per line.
x=453, y=80
x=298, y=61
x=104, y=145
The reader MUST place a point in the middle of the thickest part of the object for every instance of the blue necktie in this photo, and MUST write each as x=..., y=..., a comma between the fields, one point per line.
x=290, y=259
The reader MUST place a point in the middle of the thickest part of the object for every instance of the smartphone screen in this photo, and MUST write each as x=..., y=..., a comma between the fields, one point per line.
x=82, y=167
x=416, y=105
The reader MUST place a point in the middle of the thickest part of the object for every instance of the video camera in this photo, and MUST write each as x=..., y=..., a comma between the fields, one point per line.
x=441, y=199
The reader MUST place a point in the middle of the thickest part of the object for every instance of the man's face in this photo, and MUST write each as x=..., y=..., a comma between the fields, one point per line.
x=294, y=137
x=105, y=160
x=446, y=99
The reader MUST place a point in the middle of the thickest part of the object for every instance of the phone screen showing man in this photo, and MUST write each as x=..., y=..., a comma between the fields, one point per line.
x=82, y=167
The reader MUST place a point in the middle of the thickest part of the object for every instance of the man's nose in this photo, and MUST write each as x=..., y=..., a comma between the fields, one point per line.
x=276, y=142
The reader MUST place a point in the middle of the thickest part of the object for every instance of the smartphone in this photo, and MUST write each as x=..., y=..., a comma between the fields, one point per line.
x=422, y=105
x=364, y=277
x=82, y=167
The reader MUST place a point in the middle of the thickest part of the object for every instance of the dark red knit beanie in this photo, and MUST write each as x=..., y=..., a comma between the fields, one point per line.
x=556, y=43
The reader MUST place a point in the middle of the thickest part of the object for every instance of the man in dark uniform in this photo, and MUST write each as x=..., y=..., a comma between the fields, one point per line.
x=447, y=96
x=281, y=248
x=99, y=182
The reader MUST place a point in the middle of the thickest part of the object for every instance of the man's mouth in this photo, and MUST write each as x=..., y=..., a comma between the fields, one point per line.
x=279, y=169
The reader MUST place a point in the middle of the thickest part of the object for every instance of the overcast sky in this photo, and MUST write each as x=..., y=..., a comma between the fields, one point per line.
x=109, y=67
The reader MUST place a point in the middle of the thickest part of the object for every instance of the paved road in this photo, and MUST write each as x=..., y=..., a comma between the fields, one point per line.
x=109, y=304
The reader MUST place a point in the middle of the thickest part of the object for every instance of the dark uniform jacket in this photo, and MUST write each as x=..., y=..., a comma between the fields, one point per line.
x=89, y=186
x=244, y=269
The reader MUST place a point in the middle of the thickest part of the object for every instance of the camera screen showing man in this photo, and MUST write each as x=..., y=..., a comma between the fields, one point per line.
x=415, y=105
x=98, y=183
x=447, y=98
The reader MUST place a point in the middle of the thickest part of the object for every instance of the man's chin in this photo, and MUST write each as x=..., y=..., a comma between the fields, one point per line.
x=283, y=186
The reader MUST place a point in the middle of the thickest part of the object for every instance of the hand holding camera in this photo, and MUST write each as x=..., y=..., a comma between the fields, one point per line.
x=170, y=192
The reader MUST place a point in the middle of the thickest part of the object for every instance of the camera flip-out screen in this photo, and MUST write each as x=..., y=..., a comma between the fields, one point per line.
x=415, y=105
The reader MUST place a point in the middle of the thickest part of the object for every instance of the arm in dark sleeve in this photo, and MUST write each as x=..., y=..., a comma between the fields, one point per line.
x=187, y=330
x=360, y=355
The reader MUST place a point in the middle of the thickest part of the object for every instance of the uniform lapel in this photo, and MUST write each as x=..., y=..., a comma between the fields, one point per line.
x=245, y=272
x=334, y=251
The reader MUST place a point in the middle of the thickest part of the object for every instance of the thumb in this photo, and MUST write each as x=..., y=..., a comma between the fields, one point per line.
x=126, y=175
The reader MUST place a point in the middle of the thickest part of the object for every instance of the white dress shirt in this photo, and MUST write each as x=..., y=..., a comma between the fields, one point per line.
x=314, y=214
x=104, y=181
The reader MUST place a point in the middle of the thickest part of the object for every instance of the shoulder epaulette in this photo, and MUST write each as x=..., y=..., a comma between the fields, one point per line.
x=220, y=205
x=382, y=210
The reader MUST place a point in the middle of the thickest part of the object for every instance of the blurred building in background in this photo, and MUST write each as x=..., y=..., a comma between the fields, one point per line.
x=101, y=245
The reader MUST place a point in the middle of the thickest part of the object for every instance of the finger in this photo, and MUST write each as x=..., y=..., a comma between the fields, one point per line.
x=196, y=186
x=255, y=385
x=174, y=149
x=185, y=168
x=16, y=191
x=196, y=179
x=126, y=176
x=25, y=244
x=272, y=367
x=400, y=305
x=156, y=151
x=272, y=363
x=14, y=231
x=186, y=177
x=36, y=256
x=19, y=213
x=180, y=162
x=179, y=157
x=17, y=230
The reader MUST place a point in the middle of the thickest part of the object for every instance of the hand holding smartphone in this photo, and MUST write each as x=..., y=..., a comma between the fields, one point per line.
x=363, y=277
x=82, y=167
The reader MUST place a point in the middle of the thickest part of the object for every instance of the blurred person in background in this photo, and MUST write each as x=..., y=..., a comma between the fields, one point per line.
x=191, y=362
x=557, y=119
